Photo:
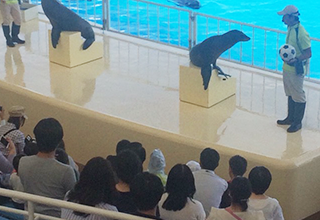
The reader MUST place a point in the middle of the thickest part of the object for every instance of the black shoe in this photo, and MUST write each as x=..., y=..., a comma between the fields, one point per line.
x=285, y=121
x=10, y=43
x=17, y=40
x=294, y=128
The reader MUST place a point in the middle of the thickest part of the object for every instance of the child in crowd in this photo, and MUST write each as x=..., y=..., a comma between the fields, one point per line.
x=260, y=178
x=15, y=182
x=157, y=163
x=237, y=167
x=240, y=191
x=194, y=165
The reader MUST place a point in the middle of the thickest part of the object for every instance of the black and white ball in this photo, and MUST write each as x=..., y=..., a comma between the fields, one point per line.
x=287, y=52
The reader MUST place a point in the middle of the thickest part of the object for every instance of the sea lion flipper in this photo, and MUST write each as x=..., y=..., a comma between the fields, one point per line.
x=87, y=43
x=55, y=36
x=206, y=75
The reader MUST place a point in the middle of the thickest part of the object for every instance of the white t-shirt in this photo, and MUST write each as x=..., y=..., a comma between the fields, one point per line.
x=222, y=214
x=269, y=206
x=209, y=189
x=193, y=210
x=15, y=184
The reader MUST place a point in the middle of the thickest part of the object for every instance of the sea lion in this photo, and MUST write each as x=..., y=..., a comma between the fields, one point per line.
x=63, y=19
x=206, y=53
x=195, y=4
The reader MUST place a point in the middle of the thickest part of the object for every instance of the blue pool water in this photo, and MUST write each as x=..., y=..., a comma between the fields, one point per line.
x=250, y=11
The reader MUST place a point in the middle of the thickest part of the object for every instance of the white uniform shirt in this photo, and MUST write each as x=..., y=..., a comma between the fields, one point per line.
x=209, y=189
x=193, y=210
x=269, y=206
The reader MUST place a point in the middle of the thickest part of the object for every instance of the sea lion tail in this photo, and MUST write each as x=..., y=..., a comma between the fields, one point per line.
x=206, y=75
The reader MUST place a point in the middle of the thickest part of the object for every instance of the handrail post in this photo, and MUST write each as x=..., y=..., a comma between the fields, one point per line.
x=105, y=14
x=30, y=210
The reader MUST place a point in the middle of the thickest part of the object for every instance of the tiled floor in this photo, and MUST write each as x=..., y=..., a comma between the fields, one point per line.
x=139, y=81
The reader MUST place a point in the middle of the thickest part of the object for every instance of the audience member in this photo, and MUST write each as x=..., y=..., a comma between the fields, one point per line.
x=41, y=174
x=146, y=189
x=96, y=187
x=121, y=146
x=260, y=178
x=157, y=163
x=61, y=156
x=16, y=120
x=193, y=165
x=128, y=166
x=240, y=191
x=237, y=167
x=210, y=187
x=6, y=163
x=178, y=203
x=15, y=182
x=70, y=159
x=31, y=147
x=139, y=150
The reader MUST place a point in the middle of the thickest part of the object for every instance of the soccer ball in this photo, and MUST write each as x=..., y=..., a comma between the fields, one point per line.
x=287, y=52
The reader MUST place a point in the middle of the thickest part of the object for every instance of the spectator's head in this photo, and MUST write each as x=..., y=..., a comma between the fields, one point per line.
x=62, y=156
x=17, y=116
x=128, y=166
x=260, y=179
x=48, y=133
x=240, y=191
x=209, y=159
x=31, y=148
x=146, y=189
x=139, y=150
x=61, y=145
x=96, y=184
x=237, y=166
x=16, y=161
x=157, y=162
x=122, y=145
x=180, y=186
x=193, y=165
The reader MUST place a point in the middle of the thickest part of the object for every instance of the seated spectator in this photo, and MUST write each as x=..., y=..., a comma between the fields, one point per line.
x=121, y=146
x=178, y=203
x=31, y=147
x=42, y=174
x=15, y=182
x=210, y=187
x=146, y=189
x=237, y=167
x=16, y=120
x=193, y=165
x=96, y=188
x=128, y=166
x=139, y=150
x=240, y=191
x=61, y=156
x=260, y=178
x=6, y=166
x=70, y=159
x=157, y=163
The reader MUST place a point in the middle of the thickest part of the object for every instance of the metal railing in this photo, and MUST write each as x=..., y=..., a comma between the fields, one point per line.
x=32, y=199
x=184, y=28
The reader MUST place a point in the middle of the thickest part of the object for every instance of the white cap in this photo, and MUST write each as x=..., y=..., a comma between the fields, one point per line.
x=289, y=10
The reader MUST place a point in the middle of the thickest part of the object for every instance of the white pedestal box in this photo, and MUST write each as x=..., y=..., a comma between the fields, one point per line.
x=69, y=50
x=191, y=87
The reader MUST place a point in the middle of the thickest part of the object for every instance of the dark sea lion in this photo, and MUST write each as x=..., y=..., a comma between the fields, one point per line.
x=63, y=19
x=206, y=53
x=195, y=4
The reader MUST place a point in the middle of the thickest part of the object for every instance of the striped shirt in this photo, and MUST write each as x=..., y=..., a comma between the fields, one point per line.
x=68, y=213
x=16, y=136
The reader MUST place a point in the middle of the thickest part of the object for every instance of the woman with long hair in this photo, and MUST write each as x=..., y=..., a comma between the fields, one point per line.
x=240, y=191
x=178, y=203
x=96, y=187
